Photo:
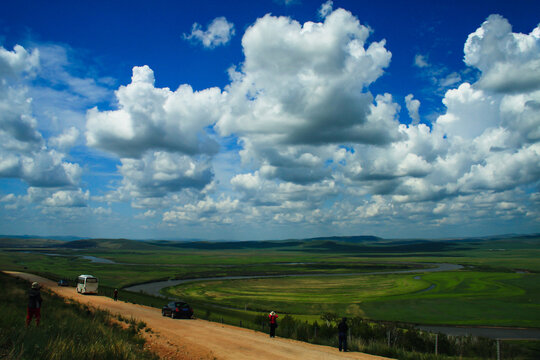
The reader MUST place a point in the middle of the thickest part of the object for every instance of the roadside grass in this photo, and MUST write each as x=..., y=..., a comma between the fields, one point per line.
x=67, y=331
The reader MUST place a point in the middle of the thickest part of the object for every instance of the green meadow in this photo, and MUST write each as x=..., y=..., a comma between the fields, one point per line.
x=466, y=298
x=456, y=298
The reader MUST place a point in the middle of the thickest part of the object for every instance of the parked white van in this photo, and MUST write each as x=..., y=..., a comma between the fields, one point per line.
x=87, y=284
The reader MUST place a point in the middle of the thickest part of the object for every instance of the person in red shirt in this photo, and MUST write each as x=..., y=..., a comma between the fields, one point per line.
x=272, y=317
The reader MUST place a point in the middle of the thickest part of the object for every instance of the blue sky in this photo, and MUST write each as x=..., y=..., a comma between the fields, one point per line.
x=269, y=119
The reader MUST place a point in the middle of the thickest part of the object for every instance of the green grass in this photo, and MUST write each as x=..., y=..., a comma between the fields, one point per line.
x=458, y=298
x=121, y=275
x=67, y=330
x=298, y=295
x=466, y=298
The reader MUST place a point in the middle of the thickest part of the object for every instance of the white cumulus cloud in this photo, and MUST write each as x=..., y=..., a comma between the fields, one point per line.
x=300, y=92
x=152, y=118
x=219, y=32
x=23, y=153
x=510, y=62
x=413, y=107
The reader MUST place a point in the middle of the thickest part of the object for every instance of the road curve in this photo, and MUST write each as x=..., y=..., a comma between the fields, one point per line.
x=200, y=339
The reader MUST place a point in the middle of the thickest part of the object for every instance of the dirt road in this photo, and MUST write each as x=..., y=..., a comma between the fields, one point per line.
x=200, y=339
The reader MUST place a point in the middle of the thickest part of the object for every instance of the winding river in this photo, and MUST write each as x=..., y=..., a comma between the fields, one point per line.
x=154, y=288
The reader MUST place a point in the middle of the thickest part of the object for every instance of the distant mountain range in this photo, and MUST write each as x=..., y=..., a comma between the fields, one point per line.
x=59, y=237
x=343, y=239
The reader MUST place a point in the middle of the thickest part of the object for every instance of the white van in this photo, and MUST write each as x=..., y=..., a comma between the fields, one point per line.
x=87, y=284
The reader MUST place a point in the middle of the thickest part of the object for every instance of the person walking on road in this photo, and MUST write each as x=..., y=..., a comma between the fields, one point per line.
x=34, y=304
x=115, y=294
x=272, y=317
x=343, y=328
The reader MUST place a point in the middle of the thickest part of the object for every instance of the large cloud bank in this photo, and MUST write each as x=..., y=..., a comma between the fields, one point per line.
x=324, y=150
x=25, y=153
x=160, y=136
x=310, y=143
x=23, y=150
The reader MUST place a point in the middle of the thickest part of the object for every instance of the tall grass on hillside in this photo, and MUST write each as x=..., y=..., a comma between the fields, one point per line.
x=67, y=330
x=400, y=341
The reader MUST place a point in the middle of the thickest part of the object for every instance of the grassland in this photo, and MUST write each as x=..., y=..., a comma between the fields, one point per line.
x=489, y=292
x=299, y=295
x=458, y=298
x=466, y=298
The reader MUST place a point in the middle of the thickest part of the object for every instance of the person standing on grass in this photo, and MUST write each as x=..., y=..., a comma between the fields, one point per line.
x=272, y=317
x=115, y=294
x=34, y=304
x=343, y=328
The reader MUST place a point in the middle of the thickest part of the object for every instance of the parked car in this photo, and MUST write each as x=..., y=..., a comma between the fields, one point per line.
x=63, y=283
x=177, y=309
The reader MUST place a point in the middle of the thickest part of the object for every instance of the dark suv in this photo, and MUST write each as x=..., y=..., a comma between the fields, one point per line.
x=177, y=309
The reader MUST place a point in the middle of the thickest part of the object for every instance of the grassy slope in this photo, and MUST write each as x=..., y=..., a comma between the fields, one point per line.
x=67, y=331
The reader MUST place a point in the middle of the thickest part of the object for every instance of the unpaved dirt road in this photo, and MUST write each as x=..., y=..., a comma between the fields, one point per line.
x=200, y=339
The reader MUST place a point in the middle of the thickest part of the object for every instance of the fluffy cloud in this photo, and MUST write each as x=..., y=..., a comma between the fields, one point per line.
x=65, y=140
x=311, y=144
x=12, y=63
x=303, y=84
x=57, y=198
x=152, y=118
x=492, y=130
x=326, y=8
x=65, y=198
x=160, y=137
x=44, y=169
x=219, y=32
x=307, y=126
x=420, y=61
x=485, y=143
x=207, y=210
x=509, y=62
x=300, y=89
x=413, y=106
x=470, y=112
x=18, y=128
x=159, y=173
x=23, y=152
x=47, y=169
